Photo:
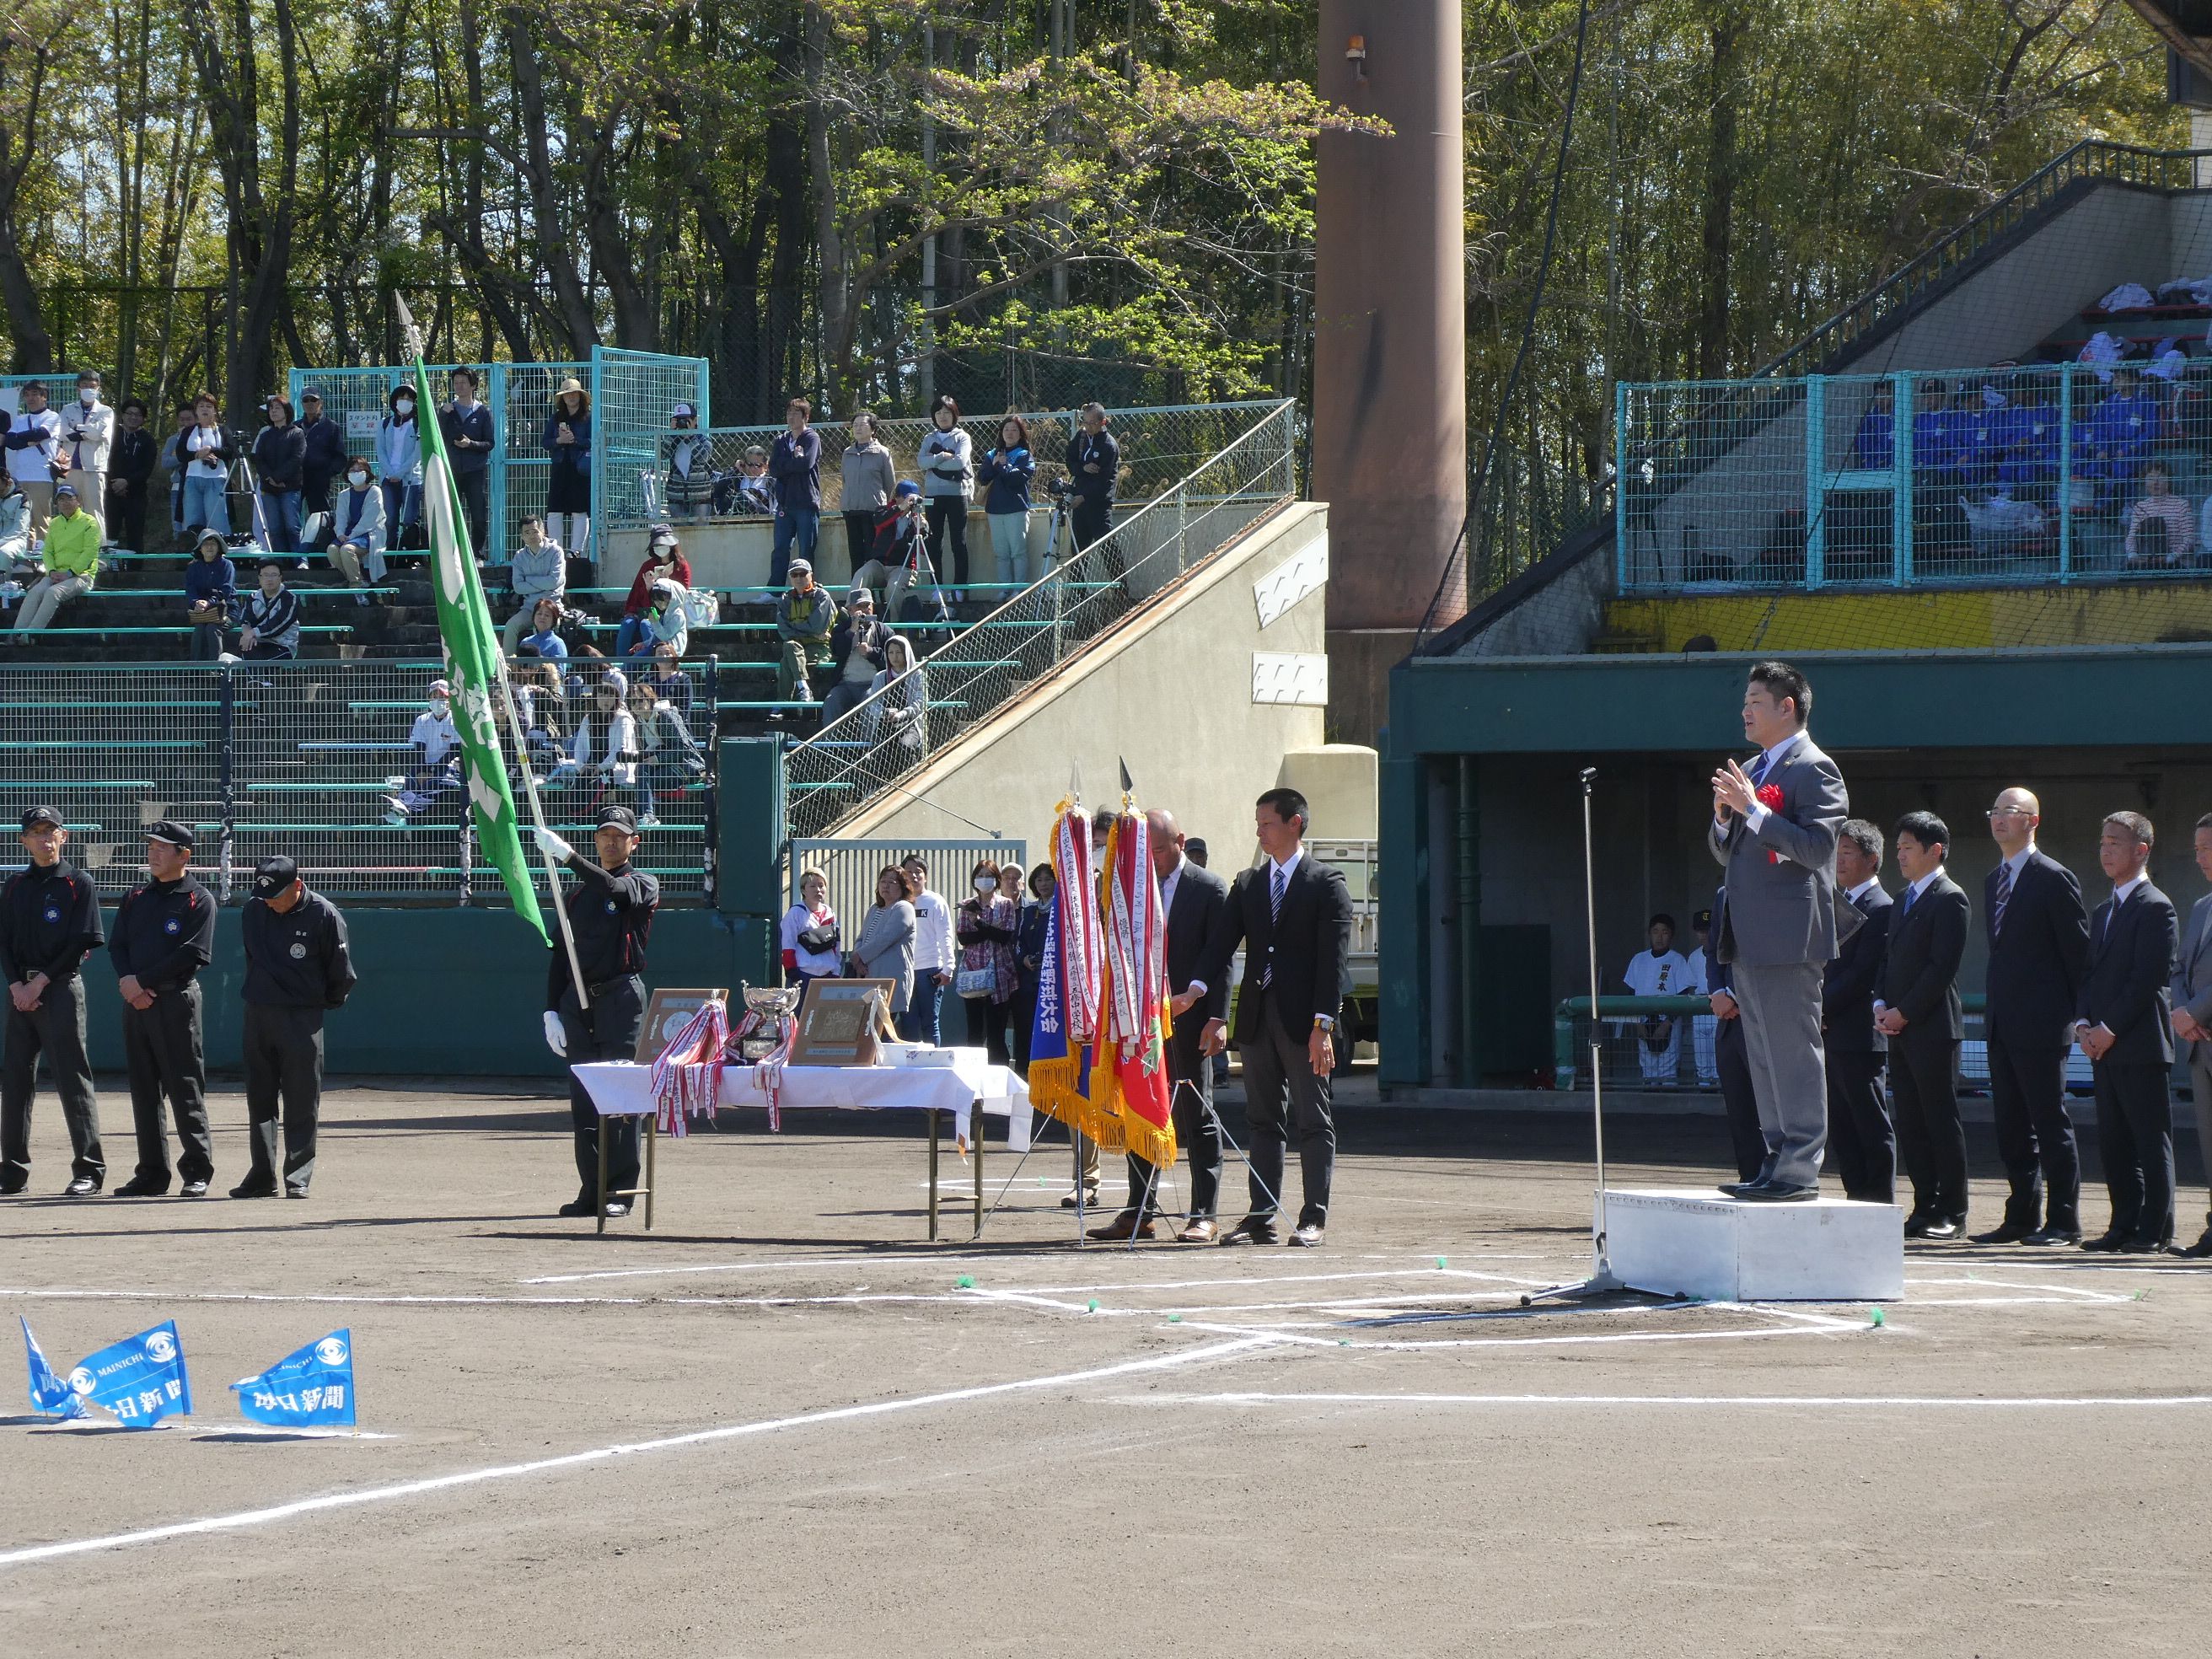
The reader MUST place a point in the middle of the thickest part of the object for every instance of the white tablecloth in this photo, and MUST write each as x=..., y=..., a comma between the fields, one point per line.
x=619, y=1089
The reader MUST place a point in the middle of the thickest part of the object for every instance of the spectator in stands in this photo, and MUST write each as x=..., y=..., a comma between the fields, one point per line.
x=856, y=653
x=271, y=618
x=280, y=458
x=544, y=638
x=901, y=698
x=357, y=528
x=539, y=570
x=1658, y=972
x=869, y=479
x=795, y=464
x=688, y=463
x=934, y=957
x=668, y=757
x=2028, y=463
x=603, y=754
x=210, y=448
x=2118, y=439
x=665, y=621
x=171, y=466
x=896, y=557
x=211, y=594
x=129, y=471
x=1006, y=473
x=664, y=563
x=465, y=424
x=2161, y=529
x=1982, y=431
x=755, y=490
x=1871, y=444
x=568, y=440
x=947, y=465
x=437, y=770
x=69, y=560
x=34, y=454
x=326, y=461
x=804, y=618
x=884, y=949
x=809, y=934
x=1029, y=962
x=14, y=520
x=986, y=928
x=670, y=683
x=541, y=704
x=87, y=441
x=399, y=467
x=1094, y=472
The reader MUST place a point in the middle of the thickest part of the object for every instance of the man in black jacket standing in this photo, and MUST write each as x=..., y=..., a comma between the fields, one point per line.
x=1860, y=1136
x=130, y=466
x=164, y=935
x=1094, y=471
x=1918, y=1011
x=1293, y=917
x=2124, y=1028
x=325, y=459
x=2039, y=937
x=1192, y=898
x=466, y=423
x=296, y=969
x=49, y=923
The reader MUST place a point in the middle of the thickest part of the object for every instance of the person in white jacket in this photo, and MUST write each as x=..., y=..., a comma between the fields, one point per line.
x=399, y=464
x=604, y=751
x=35, y=447
x=946, y=462
x=87, y=434
x=539, y=570
x=357, y=527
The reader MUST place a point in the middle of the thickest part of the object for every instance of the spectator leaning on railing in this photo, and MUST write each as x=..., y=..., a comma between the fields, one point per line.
x=71, y=559
x=2161, y=529
x=538, y=571
x=211, y=594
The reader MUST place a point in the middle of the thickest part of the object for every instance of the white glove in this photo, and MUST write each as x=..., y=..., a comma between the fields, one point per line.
x=556, y=1038
x=554, y=847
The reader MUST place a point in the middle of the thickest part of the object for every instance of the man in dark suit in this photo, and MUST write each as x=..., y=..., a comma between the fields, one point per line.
x=1293, y=917
x=1917, y=1009
x=1193, y=900
x=2039, y=937
x=1860, y=1136
x=2192, y=1014
x=1732, y=1061
x=2125, y=1029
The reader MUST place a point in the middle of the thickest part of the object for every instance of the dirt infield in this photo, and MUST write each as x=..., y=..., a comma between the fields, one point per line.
x=782, y=1424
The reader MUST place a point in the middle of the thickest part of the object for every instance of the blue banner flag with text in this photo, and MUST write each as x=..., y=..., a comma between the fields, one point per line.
x=312, y=1388
x=140, y=1379
x=50, y=1395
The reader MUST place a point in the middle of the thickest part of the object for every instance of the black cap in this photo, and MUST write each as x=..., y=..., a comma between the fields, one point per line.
x=617, y=818
x=38, y=814
x=1703, y=921
x=170, y=830
x=272, y=875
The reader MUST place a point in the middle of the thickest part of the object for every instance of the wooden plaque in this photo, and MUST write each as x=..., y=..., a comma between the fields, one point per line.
x=668, y=1013
x=839, y=1022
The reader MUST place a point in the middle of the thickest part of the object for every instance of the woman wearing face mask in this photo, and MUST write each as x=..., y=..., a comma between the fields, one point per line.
x=357, y=527
x=986, y=928
x=1028, y=962
x=210, y=595
x=569, y=487
x=399, y=464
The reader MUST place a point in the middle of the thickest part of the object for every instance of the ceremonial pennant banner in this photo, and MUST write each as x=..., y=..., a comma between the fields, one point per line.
x=141, y=1379
x=312, y=1388
x=50, y=1395
x=1130, y=1073
x=1068, y=976
x=473, y=650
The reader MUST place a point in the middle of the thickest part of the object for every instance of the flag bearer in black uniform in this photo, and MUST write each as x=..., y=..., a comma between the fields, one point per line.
x=296, y=969
x=49, y=923
x=611, y=912
x=164, y=935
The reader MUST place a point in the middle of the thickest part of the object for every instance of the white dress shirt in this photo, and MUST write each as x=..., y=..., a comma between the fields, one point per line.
x=2120, y=896
x=1913, y=893
x=1863, y=889
x=1769, y=759
x=1288, y=867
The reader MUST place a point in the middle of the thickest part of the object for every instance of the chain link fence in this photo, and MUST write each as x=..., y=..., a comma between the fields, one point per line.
x=633, y=393
x=894, y=733
x=315, y=760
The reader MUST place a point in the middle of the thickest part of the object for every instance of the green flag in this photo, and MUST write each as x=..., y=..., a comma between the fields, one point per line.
x=464, y=623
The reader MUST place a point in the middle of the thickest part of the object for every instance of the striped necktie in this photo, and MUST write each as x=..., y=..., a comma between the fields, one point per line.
x=2003, y=897
x=1275, y=886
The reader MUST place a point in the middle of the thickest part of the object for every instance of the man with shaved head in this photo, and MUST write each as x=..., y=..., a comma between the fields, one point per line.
x=1192, y=899
x=2038, y=935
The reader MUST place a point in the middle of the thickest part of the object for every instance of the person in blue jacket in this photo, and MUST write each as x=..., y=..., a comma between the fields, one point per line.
x=1004, y=472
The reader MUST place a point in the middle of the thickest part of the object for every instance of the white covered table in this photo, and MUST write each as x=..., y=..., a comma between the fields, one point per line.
x=619, y=1089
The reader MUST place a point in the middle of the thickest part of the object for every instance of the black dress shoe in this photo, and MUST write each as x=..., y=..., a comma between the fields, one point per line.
x=1736, y=1189
x=1916, y=1224
x=2044, y=1236
x=1252, y=1230
x=1778, y=1192
x=2106, y=1242
x=578, y=1207
x=81, y=1187
x=296, y=1192
x=10, y=1189
x=2012, y=1232
x=194, y=1189
x=1941, y=1228
x=2201, y=1248
x=139, y=1186
x=2145, y=1247
x=254, y=1189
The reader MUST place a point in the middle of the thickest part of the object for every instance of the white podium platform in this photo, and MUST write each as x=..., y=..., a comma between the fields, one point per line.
x=1717, y=1248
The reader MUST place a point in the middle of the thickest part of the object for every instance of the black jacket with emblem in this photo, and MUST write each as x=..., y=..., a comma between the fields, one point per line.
x=298, y=959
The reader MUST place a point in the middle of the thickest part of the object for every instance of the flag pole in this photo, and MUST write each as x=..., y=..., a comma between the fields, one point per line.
x=507, y=696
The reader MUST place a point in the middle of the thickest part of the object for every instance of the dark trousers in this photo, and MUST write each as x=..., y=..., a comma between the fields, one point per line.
x=1924, y=1074
x=283, y=1068
x=1189, y=1080
x=607, y=1030
x=2035, y=1137
x=2135, y=1137
x=162, y=1054
x=1093, y=524
x=990, y=1019
x=860, y=544
x=207, y=641
x=476, y=507
x=1280, y=1087
x=1738, y=1099
x=1861, y=1139
x=126, y=516
x=56, y=1028
x=948, y=517
x=919, y=1022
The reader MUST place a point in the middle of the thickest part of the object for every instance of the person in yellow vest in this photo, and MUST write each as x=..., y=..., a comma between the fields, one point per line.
x=71, y=559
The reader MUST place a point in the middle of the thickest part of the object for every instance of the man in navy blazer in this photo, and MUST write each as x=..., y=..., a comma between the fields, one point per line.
x=2192, y=1013
x=1860, y=1138
x=2038, y=936
x=1919, y=1010
x=2125, y=1027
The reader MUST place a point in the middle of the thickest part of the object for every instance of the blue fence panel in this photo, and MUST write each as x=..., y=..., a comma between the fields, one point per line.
x=632, y=395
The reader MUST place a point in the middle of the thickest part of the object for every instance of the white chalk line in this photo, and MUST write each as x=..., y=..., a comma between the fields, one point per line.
x=838, y=1261
x=260, y=1517
x=1283, y=1332
x=1826, y=1402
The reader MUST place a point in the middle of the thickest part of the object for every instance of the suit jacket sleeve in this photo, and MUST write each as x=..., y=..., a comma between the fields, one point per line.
x=1946, y=947
x=1804, y=832
x=2069, y=932
x=1856, y=975
x=2150, y=964
x=2198, y=1007
x=1333, y=946
x=1227, y=933
x=1216, y=1000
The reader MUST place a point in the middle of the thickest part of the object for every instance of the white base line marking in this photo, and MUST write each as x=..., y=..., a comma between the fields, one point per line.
x=698, y=1437
x=1052, y=1250
x=1824, y=1401
x=1283, y=1334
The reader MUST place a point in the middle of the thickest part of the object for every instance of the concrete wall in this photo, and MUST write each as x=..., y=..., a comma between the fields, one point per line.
x=1171, y=695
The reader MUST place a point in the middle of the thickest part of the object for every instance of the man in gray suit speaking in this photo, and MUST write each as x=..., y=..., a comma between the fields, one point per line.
x=2193, y=1012
x=1774, y=832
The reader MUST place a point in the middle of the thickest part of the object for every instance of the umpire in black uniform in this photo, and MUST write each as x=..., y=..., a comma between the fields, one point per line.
x=610, y=913
x=296, y=969
x=164, y=935
x=49, y=923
